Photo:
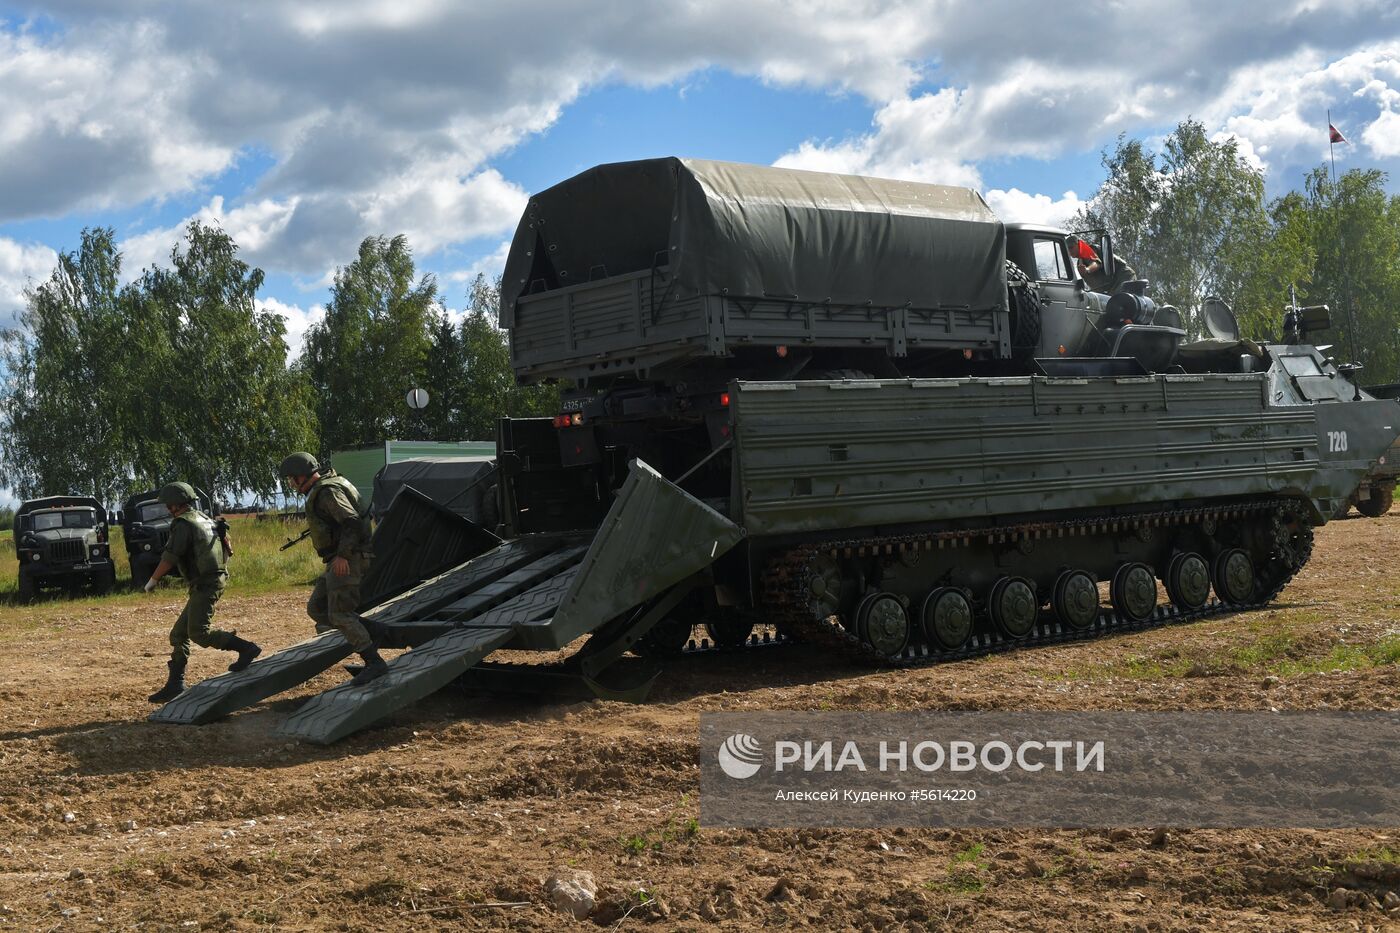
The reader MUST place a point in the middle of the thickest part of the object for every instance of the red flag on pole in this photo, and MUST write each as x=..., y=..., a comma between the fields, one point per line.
x=1335, y=134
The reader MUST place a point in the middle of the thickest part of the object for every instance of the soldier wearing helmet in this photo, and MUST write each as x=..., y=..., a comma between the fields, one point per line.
x=340, y=535
x=198, y=547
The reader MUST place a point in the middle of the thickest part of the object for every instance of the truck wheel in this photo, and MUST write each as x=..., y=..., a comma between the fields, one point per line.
x=1378, y=504
x=140, y=573
x=105, y=581
x=666, y=639
x=27, y=589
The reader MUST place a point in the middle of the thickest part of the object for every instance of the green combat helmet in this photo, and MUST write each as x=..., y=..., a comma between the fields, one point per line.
x=176, y=494
x=299, y=463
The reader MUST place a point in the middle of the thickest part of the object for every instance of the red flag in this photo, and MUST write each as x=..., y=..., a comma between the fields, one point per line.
x=1084, y=252
x=1335, y=134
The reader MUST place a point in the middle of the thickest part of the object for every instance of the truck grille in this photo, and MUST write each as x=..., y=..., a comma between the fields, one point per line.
x=67, y=552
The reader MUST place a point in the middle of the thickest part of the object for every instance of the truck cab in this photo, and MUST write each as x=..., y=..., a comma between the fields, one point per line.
x=61, y=541
x=1078, y=322
x=146, y=528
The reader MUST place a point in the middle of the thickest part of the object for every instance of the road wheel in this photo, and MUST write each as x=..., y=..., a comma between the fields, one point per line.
x=729, y=633
x=27, y=589
x=1134, y=592
x=1013, y=606
x=883, y=624
x=1188, y=581
x=947, y=618
x=1378, y=504
x=1234, y=577
x=1075, y=600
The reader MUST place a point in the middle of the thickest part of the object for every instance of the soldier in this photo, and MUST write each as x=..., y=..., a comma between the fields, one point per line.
x=1091, y=268
x=199, y=549
x=340, y=535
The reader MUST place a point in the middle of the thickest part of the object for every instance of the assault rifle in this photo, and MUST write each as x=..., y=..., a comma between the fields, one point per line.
x=293, y=542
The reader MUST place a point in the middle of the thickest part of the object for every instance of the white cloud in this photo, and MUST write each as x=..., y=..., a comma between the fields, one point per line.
x=1280, y=108
x=383, y=116
x=21, y=265
x=1016, y=206
x=1383, y=135
x=298, y=319
x=1270, y=92
x=490, y=266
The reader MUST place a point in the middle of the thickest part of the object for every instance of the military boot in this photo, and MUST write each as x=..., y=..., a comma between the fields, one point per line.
x=174, y=684
x=247, y=651
x=373, y=670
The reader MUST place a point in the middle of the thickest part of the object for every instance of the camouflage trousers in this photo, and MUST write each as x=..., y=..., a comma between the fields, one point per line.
x=193, y=624
x=334, y=601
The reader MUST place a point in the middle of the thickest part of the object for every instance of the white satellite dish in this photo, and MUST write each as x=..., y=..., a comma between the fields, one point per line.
x=418, y=399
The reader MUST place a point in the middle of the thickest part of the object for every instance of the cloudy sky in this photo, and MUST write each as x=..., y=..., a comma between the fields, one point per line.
x=304, y=126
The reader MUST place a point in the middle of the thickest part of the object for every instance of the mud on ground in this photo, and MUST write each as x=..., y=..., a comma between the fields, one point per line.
x=455, y=812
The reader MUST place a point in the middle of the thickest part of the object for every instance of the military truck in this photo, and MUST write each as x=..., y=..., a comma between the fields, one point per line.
x=145, y=529
x=61, y=541
x=858, y=413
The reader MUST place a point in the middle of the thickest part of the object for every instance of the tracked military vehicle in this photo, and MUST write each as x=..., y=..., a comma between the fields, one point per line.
x=146, y=528
x=61, y=541
x=859, y=413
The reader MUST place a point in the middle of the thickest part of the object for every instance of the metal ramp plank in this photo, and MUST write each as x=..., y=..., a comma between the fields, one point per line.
x=450, y=584
x=218, y=696
x=425, y=669
x=413, y=675
x=507, y=587
x=534, y=606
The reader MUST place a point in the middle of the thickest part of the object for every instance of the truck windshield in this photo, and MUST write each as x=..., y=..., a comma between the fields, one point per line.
x=152, y=512
x=77, y=518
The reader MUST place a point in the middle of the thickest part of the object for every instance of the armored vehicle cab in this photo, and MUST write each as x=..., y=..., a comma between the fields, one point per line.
x=146, y=527
x=62, y=541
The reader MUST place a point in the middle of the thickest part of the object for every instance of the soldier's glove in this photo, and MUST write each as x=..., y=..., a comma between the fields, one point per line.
x=150, y=585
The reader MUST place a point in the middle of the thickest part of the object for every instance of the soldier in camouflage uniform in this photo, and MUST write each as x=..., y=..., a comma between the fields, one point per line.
x=341, y=536
x=199, y=549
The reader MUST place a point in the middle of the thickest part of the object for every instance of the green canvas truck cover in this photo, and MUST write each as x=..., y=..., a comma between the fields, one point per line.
x=750, y=231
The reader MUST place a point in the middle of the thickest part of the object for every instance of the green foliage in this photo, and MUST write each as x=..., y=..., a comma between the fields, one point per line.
x=177, y=375
x=7, y=518
x=212, y=371
x=371, y=347
x=1190, y=220
x=1352, y=232
x=1193, y=221
x=470, y=365
x=966, y=872
x=64, y=367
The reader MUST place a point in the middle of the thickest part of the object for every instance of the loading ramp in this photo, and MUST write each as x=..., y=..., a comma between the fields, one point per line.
x=537, y=592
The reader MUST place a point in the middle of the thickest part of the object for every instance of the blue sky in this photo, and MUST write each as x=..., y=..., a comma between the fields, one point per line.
x=303, y=128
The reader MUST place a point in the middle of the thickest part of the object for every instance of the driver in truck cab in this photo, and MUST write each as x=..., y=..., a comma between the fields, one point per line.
x=1090, y=266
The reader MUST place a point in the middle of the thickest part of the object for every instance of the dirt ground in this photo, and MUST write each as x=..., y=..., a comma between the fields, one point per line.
x=453, y=814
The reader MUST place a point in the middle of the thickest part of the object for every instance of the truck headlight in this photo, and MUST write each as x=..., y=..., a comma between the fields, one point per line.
x=34, y=556
x=146, y=546
x=97, y=552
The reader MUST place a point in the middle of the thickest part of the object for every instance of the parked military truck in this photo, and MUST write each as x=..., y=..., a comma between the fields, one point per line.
x=864, y=413
x=145, y=529
x=61, y=541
